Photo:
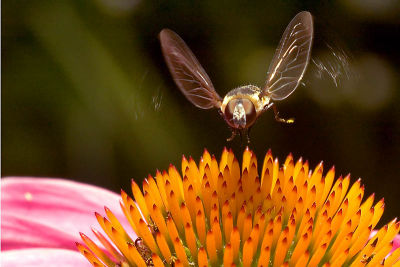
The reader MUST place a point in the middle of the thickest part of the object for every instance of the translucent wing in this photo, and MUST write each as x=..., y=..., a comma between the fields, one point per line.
x=187, y=72
x=291, y=58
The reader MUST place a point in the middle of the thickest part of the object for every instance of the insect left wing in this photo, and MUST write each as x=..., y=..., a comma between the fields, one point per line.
x=291, y=57
x=187, y=72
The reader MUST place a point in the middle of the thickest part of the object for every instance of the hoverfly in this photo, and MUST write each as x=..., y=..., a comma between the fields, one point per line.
x=241, y=107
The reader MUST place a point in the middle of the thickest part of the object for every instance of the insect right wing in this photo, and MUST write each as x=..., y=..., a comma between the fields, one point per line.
x=188, y=74
x=291, y=58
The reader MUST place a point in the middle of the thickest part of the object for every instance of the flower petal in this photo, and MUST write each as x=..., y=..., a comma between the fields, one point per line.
x=46, y=212
x=37, y=257
x=396, y=242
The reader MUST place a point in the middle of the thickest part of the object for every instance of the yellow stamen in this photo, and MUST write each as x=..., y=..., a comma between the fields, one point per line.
x=268, y=235
x=185, y=214
x=301, y=247
x=163, y=245
x=175, y=210
x=235, y=241
x=228, y=255
x=89, y=255
x=342, y=247
x=134, y=256
x=147, y=236
x=303, y=259
x=266, y=178
x=240, y=220
x=154, y=192
x=140, y=199
x=216, y=229
x=267, y=164
x=125, y=204
x=157, y=260
x=191, y=240
x=192, y=172
x=110, y=248
x=228, y=226
x=115, y=223
x=340, y=259
x=281, y=250
x=378, y=211
x=211, y=249
x=214, y=171
x=97, y=251
x=359, y=242
x=206, y=192
x=176, y=181
x=180, y=252
x=318, y=254
x=161, y=186
x=215, y=207
x=159, y=221
x=201, y=227
x=337, y=220
x=255, y=234
x=276, y=229
x=202, y=258
x=346, y=229
x=247, y=227
x=248, y=253
x=134, y=214
x=179, y=263
x=173, y=232
x=264, y=257
x=190, y=197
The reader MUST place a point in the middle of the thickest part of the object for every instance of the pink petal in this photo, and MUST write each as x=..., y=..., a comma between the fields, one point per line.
x=45, y=212
x=37, y=257
x=396, y=242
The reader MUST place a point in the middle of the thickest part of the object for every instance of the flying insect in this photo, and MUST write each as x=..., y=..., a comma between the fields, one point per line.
x=241, y=107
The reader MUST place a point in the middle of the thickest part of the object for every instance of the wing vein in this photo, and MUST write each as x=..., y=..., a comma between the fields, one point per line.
x=291, y=58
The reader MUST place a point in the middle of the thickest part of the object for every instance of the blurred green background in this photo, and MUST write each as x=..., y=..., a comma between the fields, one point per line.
x=87, y=96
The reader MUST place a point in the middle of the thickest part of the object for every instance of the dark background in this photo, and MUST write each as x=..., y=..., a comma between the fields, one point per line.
x=87, y=96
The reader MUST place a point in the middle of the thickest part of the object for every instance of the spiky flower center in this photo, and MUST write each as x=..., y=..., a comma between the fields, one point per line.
x=221, y=214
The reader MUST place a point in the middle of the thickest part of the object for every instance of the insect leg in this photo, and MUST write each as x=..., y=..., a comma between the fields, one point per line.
x=268, y=106
x=277, y=118
x=234, y=132
x=245, y=133
x=248, y=136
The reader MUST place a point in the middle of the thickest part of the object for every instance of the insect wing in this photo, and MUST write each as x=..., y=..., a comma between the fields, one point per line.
x=291, y=57
x=187, y=72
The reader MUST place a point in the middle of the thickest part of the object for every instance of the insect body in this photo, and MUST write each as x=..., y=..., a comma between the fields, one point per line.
x=242, y=106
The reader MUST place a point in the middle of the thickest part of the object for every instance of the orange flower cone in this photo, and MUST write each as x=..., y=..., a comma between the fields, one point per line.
x=223, y=214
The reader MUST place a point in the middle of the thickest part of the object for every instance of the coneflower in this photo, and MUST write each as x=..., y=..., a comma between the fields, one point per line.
x=224, y=214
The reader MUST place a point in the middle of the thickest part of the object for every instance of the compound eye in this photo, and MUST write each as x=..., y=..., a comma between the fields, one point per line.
x=250, y=110
x=240, y=113
x=229, y=110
